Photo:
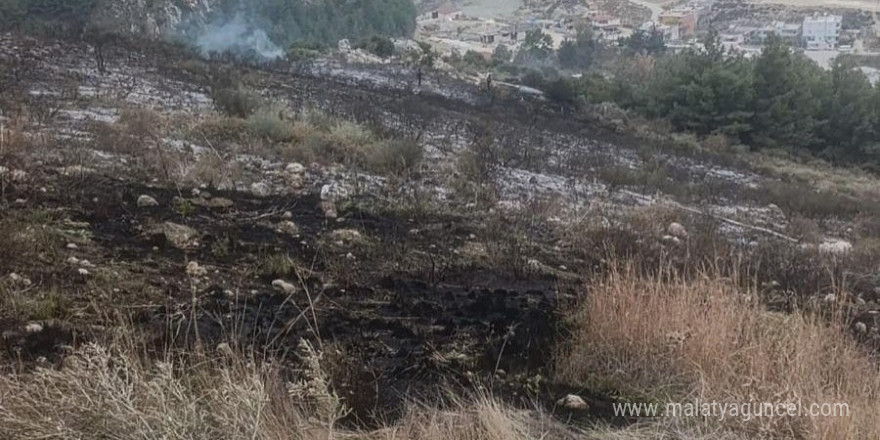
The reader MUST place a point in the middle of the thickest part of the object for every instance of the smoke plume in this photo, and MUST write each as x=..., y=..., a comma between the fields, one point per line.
x=239, y=37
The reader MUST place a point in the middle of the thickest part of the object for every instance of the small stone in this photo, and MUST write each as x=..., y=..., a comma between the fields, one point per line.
x=669, y=239
x=861, y=327
x=194, y=270
x=677, y=230
x=195, y=192
x=295, y=168
x=82, y=271
x=572, y=401
x=284, y=286
x=33, y=328
x=179, y=236
x=287, y=227
x=18, y=279
x=260, y=189
x=146, y=201
x=73, y=260
x=224, y=348
x=329, y=209
x=72, y=246
x=20, y=201
x=287, y=215
x=830, y=298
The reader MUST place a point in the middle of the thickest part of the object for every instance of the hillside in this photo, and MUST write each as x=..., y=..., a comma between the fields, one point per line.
x=197, y=249
x=286, y=22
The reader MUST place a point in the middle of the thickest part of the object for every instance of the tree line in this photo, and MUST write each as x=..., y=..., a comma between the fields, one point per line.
x=324, y=23
x=288, y=22
x=779, y=99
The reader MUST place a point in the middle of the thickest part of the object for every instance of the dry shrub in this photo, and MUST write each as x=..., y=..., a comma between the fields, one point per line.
x=662, y=338
x=236, y=101
x=214, y=171
x=113, y=393
x=801, y=199
x=13, y=140
x=483, y=418
x=398, y=157
x=219, y=130
x=804, y=229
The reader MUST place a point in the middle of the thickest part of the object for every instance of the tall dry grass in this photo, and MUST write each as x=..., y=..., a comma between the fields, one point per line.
x=115, y=393
x=666, y=339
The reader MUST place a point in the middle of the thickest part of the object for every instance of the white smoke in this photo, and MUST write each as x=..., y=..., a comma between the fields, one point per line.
x=239, y=37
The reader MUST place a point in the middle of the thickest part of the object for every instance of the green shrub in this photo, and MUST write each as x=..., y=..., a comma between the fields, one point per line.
x=269, y=123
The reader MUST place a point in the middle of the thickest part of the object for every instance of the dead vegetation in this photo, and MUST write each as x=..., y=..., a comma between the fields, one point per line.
x=662, y=338
x=432, y=269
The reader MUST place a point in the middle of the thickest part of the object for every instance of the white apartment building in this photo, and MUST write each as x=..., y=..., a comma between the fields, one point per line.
x=821, y=31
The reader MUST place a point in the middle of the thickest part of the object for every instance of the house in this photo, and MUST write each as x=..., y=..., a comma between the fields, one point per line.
x=605, y=23
x=446, y=11
x=821, y=31
x=684, y=19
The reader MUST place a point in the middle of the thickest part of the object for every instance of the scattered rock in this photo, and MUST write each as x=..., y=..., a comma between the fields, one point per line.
x=287, y=215
x=283, y=286
x=179, y=236
x=346, y=236
x=260, y=189
x=830, y=298
x=333, y=192
x=146, y=201
x=82, y=271
x=19, y=280
x=194, y=270
x=72, y=246
x=835, y=247
x=295, y=168
x=861, y=327
x=13, y=175
x=677, y=230
x=224, y=349
x=294, y=175
x=329, y=209
x=572, y=401
x=287, y=227
x=33, y=327
x=668, y=239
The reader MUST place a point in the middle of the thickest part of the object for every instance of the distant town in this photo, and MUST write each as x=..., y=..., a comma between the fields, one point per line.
x=822, y=34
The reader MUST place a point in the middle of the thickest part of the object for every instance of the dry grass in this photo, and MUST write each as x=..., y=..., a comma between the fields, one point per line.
x=113, y=393
x=662, y=338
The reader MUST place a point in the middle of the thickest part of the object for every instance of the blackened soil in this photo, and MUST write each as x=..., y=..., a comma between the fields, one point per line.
x=393, y=331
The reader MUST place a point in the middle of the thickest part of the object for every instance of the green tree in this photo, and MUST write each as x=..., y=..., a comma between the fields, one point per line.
x=645, y=42
x=785, y=105
x=501, y=55
x=704, y=92
x=578, y=53
x=849, y=112
x=537, y=47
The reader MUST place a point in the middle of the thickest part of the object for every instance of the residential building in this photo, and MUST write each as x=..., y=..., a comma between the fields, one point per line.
x=684, y=19
x=821, y=31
